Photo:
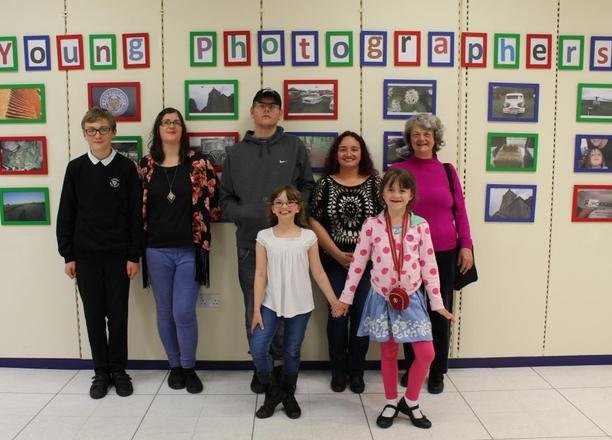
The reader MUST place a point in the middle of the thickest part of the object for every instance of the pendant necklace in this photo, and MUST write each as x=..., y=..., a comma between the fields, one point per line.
x=171, y=196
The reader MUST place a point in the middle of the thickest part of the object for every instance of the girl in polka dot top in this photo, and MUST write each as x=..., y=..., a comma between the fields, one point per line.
x=402, y=259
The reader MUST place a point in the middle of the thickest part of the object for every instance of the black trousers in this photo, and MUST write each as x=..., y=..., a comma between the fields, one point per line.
x=440, y=326
x=347, y=351
x=104, y=288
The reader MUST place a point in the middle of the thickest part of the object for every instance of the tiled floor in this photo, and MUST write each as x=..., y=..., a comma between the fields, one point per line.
x=508, y=403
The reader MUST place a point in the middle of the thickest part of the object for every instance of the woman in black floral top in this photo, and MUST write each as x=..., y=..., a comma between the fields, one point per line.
x=179, y=200
x=341, y=201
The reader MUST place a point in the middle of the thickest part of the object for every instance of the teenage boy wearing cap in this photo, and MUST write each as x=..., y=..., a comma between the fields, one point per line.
x=266, y=158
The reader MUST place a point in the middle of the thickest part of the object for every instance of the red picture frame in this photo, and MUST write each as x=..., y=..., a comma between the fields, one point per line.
x=127, y=64
x=396, y=36
x=528, y=51
x=592, y=203
x=9, y=155
x=310, y=99
x=482, y=36
x=247, y=58
x=58, y=42
x=122, y=99
x=216, y=145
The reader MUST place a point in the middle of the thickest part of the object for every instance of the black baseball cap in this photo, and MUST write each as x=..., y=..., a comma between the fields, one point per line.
x=268, y=93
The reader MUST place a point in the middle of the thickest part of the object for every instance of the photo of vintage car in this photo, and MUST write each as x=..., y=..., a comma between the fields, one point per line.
x=514, y=104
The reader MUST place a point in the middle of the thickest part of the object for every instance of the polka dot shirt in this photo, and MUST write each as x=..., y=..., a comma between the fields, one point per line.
x=419, y=261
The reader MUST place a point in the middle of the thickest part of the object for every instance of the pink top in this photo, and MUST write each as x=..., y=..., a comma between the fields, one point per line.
x=419, y=261
x=434, y=202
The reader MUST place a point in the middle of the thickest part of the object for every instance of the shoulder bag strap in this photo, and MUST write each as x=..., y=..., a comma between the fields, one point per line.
x=450, y=184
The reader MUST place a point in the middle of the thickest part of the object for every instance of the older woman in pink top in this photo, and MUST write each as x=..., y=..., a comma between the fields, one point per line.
x=450, y=229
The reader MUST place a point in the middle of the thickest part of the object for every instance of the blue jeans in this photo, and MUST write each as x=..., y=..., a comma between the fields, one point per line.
x=172, y=274
x=295, y=328
x=246, y=277
x=347, y=351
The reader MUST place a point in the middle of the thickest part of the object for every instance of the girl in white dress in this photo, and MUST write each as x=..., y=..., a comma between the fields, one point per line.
x=284, y=253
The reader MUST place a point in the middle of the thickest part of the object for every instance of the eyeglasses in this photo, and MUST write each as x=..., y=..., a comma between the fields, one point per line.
x=168, y=123
x=280, y=203
x=102, y=130
x=266, y=106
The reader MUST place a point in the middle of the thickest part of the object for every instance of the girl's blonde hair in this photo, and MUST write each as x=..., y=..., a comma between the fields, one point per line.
x=293, y=195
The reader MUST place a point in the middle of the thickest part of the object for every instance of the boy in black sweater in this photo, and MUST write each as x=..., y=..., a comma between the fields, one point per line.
x=99, y=235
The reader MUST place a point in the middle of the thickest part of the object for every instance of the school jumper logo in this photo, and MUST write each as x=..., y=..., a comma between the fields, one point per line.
x=114, y=182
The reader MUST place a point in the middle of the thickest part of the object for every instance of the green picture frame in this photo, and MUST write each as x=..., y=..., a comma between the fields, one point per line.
x=92, y=55
x=22, y=103
x=198, y=102
x=24, y=206
x=328, y=48
x=561, y=65
x=13, y=40
x=128, y=146
x=594, y=102
x=512, y=152
x=497, y=53
x=192, y=49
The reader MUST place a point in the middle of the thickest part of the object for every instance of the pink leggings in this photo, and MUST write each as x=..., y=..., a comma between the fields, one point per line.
x=423, y=356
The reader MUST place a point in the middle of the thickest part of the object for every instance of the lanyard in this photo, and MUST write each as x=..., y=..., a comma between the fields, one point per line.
x=398, y=260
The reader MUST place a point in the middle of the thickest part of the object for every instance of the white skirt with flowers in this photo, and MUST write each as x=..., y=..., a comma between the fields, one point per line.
x=380, y=321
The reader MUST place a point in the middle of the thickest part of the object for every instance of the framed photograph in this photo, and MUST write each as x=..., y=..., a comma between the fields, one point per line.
x=22, y=103
x=122, y=99
x=513, y=102
x=394, y=148
x=24, y=206
x=128, y=146
x=594, y=103
x=317, y=146
x=403, y=98
x=593, y=153
x=510, y=203
x=211, y=99
x=311, y=98
x=213, y=145
x=23, y=155
x=592, y=203
x=512, y=151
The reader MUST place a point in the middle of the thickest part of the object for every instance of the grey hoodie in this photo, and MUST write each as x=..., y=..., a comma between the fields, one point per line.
x=254, y=168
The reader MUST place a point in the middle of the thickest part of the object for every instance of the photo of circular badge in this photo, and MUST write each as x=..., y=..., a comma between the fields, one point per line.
x=115, y=101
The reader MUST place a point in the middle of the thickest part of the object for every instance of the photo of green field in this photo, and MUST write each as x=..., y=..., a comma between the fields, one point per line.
x=25, y=206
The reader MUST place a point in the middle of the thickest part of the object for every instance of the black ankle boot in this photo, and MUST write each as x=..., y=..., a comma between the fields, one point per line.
x=274, y=396
x=421, y=422
x=292, y=409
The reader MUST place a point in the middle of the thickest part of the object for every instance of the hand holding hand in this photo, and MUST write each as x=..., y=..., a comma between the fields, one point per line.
x=70, y=269
x=448, y=315
x=340, y=309
x=344, y=258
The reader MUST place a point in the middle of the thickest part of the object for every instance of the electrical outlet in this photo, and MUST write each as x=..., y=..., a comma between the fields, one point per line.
x=208, y=300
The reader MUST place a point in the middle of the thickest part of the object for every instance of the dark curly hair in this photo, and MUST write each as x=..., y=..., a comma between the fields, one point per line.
x=366, y=166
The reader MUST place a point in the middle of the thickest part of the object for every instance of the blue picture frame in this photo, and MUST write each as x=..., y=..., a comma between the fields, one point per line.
x=430, y=61
x=517, y=207
x=584, y=144
x=362, y=39
x=592, y=66
x=392, y=140
x=513, y=102
x=403, y=98
x=260, y=35
x=294, y=37
x=37, y=67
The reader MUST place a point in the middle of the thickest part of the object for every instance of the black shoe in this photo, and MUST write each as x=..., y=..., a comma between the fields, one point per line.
x=435, y=385
x=291, y=406
x=422, y=422
x=256, y=385
x=404, y=379
x=338, y=383
x=385, y=422
x=192, y=381
x=99, y=385
x=176, y=378
x=123, y=383
x=274, y=396
x=356, y=383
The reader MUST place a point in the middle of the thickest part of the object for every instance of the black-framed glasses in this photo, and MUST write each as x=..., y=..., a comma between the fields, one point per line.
x=266, y=106
x=174, y=123
x=90, y=131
